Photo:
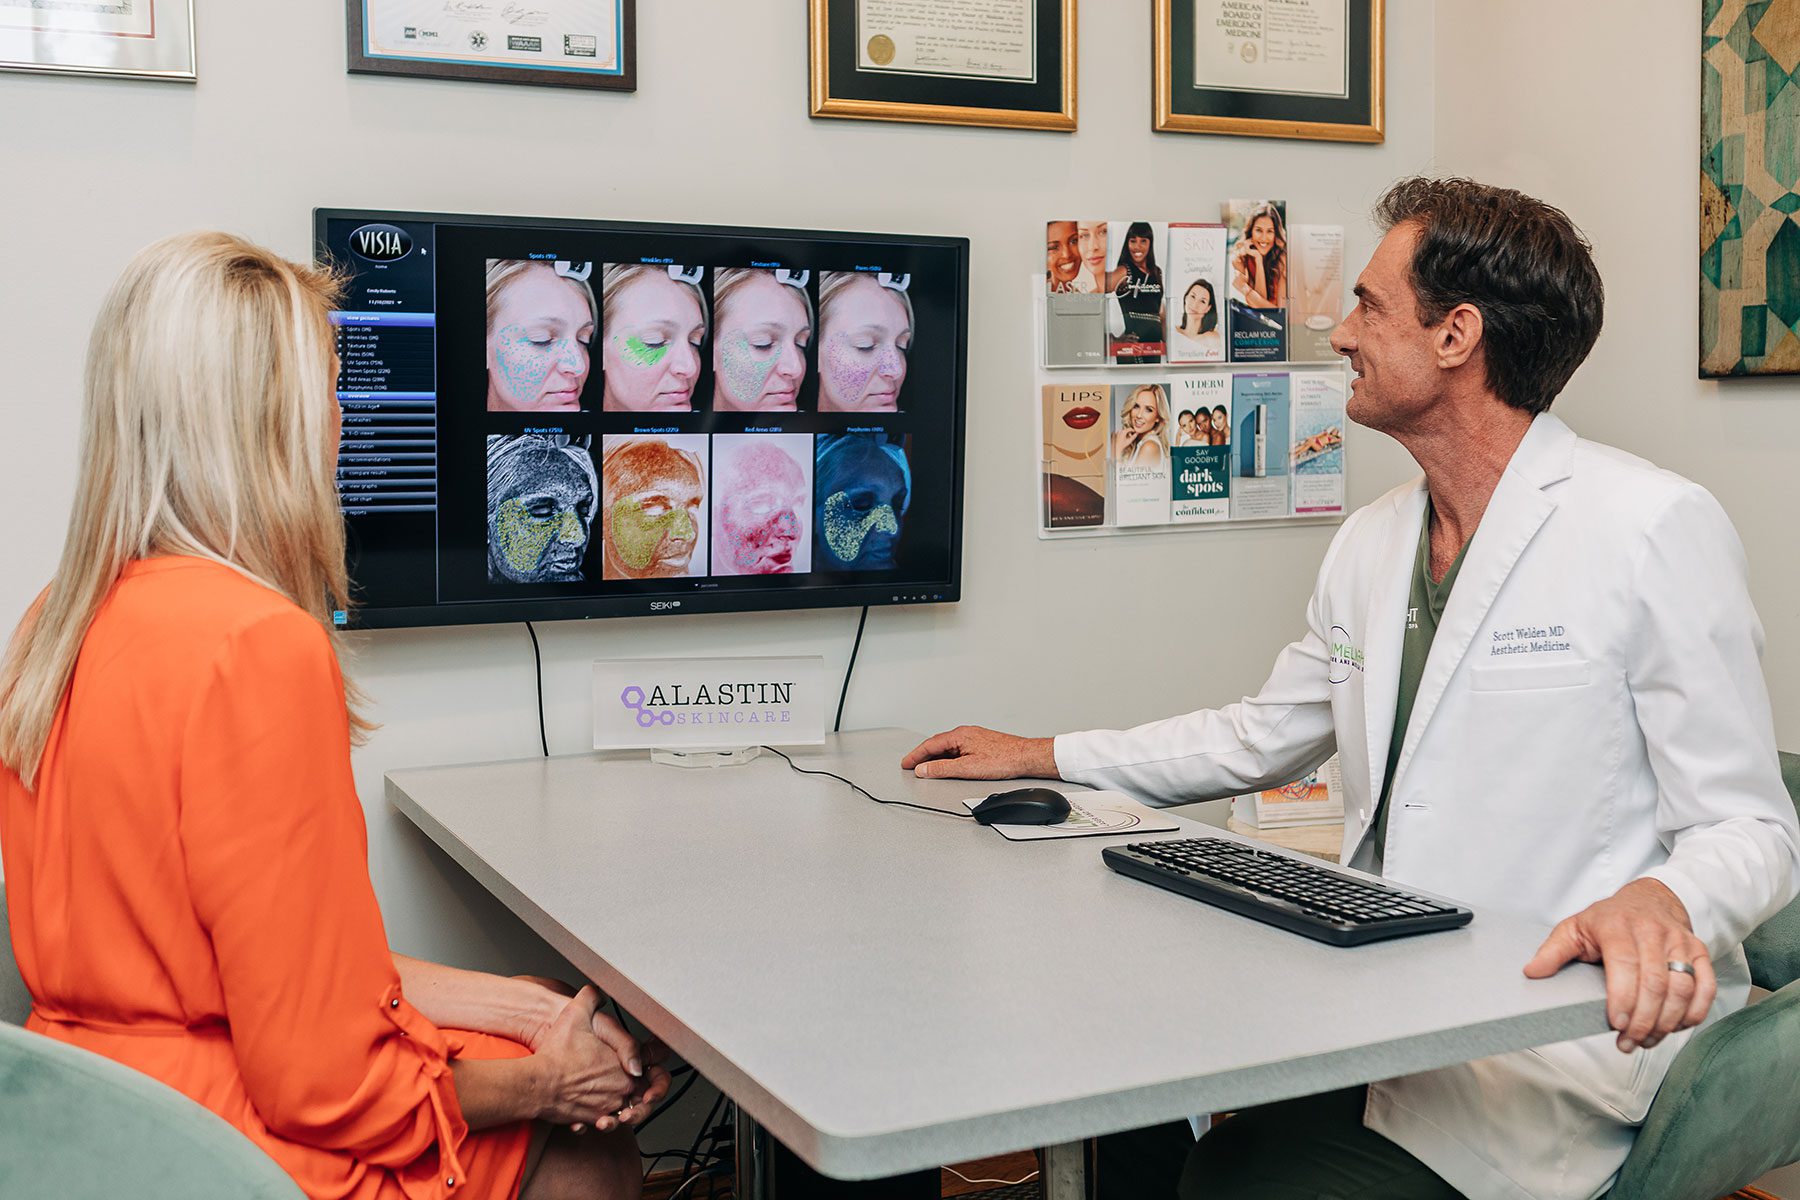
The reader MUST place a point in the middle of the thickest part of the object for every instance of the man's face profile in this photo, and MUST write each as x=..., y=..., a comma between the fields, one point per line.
x=1392, y=354
x=651, y=525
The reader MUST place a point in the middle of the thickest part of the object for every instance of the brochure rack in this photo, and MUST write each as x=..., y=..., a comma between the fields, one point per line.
x=1111, y=376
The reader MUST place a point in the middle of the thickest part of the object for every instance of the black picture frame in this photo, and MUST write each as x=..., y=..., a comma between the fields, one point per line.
x=362, y=60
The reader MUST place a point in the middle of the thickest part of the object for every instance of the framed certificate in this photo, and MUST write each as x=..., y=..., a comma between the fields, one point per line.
x=1270, y=68
x=553, y=43
x=138, y=39
x=1007, y=63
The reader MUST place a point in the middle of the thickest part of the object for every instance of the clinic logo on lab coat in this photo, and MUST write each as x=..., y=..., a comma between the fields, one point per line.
x=1345, y=657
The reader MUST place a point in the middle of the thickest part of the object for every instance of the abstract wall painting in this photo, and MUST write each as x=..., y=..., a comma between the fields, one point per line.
x=1750, y=188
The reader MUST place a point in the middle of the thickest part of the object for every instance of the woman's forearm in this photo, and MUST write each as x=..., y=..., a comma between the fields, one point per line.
x=497, y=1091
x=475, y=1000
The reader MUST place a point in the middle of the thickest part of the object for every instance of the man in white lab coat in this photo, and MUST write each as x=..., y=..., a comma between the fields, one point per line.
x=1541, y=670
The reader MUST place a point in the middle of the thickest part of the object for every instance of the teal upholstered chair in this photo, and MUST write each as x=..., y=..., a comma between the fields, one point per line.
x=15, y=1001
x=1729, y=1110
x=78, y=1126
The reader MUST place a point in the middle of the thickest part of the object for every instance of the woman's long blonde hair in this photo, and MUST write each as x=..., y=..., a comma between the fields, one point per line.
x=206, y=431
x=1160, y=431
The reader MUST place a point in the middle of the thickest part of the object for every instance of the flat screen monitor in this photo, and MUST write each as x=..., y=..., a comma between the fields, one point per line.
x=548, y=418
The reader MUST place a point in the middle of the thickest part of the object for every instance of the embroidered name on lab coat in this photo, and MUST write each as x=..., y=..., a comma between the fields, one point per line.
x=1529, y=639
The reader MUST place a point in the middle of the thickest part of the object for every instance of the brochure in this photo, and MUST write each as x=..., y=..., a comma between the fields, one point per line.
x=1134, y=284
x=1200, y=460
x=1259, y=414
x=1140, y=454
x=1195, y=300
x=1074, y=460
x=1074, y=315
x=1318, y=442
x=1315, y=799
x=1258, y=264
x=1317, y=303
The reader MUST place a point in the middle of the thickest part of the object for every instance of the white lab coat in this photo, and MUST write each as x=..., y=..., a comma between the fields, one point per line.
x=1593, y=711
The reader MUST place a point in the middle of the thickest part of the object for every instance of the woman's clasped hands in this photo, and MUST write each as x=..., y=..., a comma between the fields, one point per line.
x=591, y=1073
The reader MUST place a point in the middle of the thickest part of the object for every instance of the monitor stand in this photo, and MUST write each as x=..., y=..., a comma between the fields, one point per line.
x=735, y=757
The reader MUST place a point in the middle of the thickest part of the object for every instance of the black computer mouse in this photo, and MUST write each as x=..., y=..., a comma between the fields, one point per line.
x=1023, y=806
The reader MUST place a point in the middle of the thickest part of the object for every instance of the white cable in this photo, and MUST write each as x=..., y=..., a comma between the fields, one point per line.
x=1002, y=1182
x=708, y=1173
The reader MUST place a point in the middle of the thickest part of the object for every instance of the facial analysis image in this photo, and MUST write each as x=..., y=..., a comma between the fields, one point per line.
x=541, y=496
x=762, y=329
x=865, y=335
x=864, y=488
x=762, y=504
x=539, y=325
x=652, y=330
x=654, y=516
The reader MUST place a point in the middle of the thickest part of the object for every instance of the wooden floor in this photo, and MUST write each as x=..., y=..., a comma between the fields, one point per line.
x=1008, y=1168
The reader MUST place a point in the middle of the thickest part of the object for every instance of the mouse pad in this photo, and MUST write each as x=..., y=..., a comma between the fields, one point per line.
x=1090, y=814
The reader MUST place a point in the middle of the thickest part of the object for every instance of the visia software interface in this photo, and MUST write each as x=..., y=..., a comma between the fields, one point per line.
x=568, y=419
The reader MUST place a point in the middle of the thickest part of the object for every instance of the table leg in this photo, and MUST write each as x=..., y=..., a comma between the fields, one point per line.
x=1065, y=1171
x=752, y=1150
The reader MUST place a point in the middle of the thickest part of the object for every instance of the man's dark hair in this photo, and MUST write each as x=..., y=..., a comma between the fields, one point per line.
x=1522, y=263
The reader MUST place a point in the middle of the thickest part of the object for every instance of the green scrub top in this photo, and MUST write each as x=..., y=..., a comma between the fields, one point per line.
x=1425, y=607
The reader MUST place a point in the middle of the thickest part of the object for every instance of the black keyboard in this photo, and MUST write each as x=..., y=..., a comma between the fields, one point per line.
x=1305, y=898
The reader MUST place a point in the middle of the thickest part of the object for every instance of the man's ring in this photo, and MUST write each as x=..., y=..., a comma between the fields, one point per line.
x=1685, y=968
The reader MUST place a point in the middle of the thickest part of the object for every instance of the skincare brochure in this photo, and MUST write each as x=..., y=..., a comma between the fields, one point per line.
x=1317, y=402
x=1315, y=799
x=1090, y=814
x=1316, y=280
x=1195, y=325
x=1074, y=468
x=1075, y=304
x=1258, y=261
x=1259, y=414
x=1134, y=284
x=1200, y=459
x=1140, y=452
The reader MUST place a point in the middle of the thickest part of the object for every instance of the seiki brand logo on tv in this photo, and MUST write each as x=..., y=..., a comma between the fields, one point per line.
x=381, y=243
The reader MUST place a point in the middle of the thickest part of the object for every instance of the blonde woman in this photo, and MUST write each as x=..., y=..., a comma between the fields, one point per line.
x=185, y=854
x=1142, y=436
x=653, y=323
x=540, y=324
x=763, y=324
x=866, y=334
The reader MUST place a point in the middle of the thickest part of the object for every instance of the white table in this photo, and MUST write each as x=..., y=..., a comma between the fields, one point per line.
x=886, y=990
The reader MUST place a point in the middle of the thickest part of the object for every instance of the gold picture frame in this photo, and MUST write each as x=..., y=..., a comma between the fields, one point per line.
x=839, y=88
x=1186, y=105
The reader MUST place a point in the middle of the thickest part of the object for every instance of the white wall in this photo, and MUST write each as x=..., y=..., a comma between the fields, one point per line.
x=1596, y=108
x=1049, y=636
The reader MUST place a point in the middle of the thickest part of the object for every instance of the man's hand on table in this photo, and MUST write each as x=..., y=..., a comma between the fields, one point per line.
x=1635, y=934
x=972, y=752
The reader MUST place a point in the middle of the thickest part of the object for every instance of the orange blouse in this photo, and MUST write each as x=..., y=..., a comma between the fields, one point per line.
x=189, y=894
